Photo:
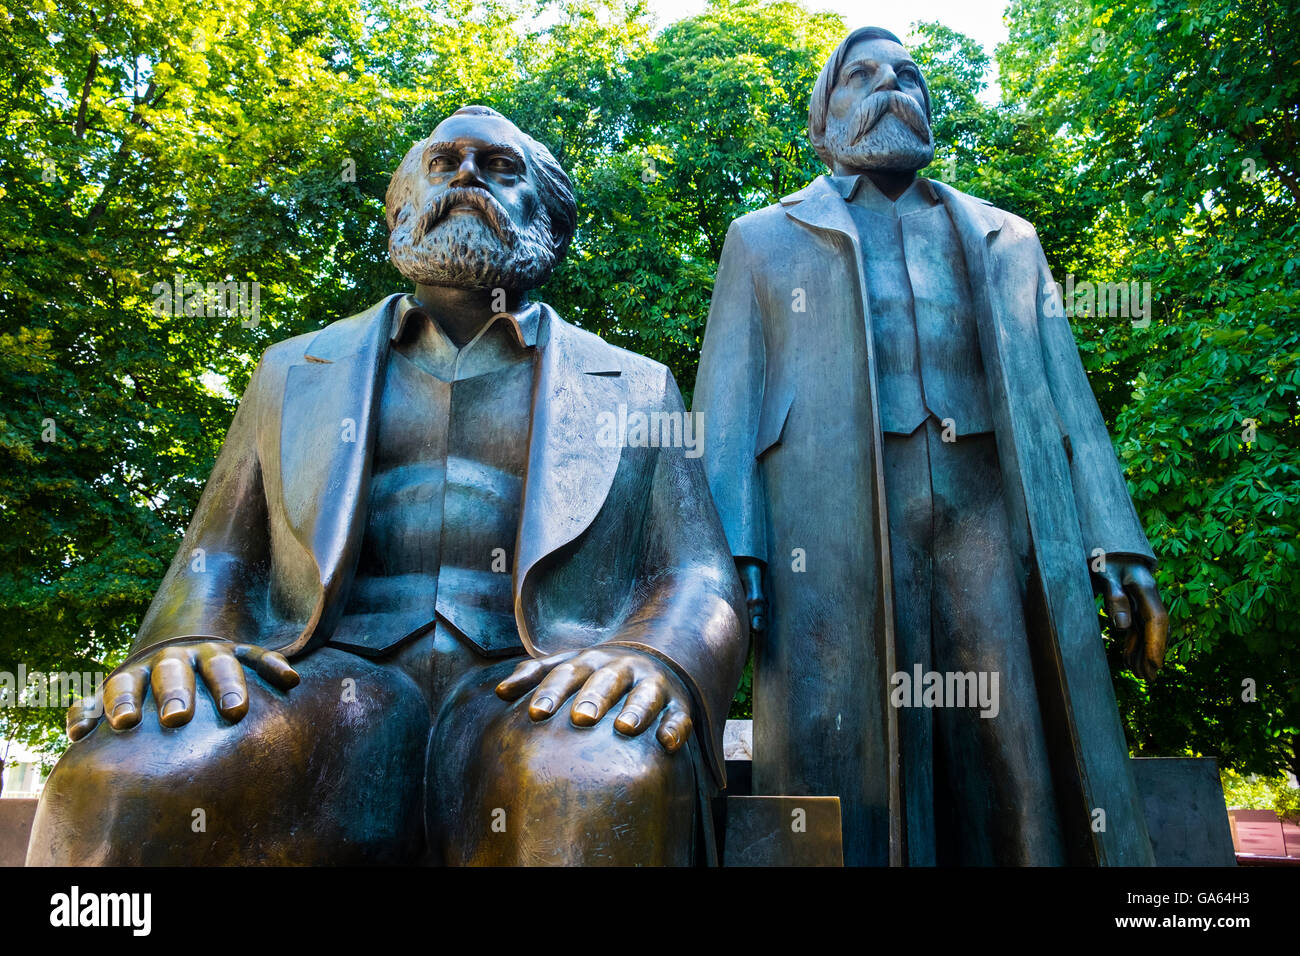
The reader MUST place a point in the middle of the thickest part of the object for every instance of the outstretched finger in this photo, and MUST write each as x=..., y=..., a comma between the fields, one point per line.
x=1151, y=650
x=674, y=729
x=271, y=665
x=1150, y=653
x=124, y=696
x=643, y=705
x=224, y=676
x=1157, y=641
x=173, y=686
x=1132, y=650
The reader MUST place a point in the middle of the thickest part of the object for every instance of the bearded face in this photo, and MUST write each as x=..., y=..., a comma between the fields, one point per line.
x=874, y=117
x=466, y=209
x=465, y=239
x=887, y=131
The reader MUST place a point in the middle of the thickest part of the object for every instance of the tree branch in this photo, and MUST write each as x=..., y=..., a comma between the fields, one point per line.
x=79, y=130
x=119, y=160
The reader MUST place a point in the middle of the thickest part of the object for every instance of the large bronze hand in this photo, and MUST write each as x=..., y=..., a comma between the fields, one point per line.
x=600, y=677
x=170, y=671
x=1135, y=611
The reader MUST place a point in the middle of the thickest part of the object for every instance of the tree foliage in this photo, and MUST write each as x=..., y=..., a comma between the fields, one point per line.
x=1181, y=117
x=250, y=140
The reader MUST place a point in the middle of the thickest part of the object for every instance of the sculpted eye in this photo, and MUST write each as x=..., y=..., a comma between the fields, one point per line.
x=502, y=164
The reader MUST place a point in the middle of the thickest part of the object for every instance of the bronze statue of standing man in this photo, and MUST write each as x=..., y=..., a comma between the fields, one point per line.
x=915, y=480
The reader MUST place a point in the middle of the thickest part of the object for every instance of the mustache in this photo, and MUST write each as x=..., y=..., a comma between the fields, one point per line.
x=480, y=199
x=878, y=105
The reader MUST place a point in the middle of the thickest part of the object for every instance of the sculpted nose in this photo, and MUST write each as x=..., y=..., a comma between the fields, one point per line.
x=468, y=174
x=886, y=78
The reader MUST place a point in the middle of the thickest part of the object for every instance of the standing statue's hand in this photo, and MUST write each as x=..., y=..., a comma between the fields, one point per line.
x=1136, y=613
x=751, y=576
x=600, y=677
x=170, y=672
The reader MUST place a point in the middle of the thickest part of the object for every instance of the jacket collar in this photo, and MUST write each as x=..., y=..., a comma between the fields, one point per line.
x=823, y=204
x=359, y=332
x=972, y=215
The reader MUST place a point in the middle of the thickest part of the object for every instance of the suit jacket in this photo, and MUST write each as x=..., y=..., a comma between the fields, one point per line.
x=617, y=545
x=791, y=411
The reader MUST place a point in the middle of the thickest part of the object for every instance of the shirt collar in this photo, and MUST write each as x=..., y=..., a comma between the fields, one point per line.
x=919, y=195
x=521, y=325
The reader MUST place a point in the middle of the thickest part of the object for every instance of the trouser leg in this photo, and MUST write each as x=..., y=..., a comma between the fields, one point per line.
x=994, y=770
x=911, y=520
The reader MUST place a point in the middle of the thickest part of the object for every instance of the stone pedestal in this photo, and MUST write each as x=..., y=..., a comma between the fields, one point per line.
x=15, y=828
x=1182, y=798
x=780, y=831
x=1186, y=815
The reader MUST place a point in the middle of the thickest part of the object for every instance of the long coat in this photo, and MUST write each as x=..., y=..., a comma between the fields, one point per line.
x=787, y=388
x=616, y=545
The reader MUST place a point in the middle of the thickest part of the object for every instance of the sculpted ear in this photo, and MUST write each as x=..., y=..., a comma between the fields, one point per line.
x=397, y=200
x=555, y=190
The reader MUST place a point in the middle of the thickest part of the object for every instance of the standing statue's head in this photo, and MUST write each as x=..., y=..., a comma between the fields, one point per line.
x=870, y=109
x=479, y=205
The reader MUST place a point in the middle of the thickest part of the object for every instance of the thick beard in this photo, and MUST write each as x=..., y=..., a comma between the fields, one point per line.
x=465, y=252
x=891, y=145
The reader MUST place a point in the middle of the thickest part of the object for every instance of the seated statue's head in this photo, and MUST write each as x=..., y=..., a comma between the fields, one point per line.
x=870, y=107
x=479, y=205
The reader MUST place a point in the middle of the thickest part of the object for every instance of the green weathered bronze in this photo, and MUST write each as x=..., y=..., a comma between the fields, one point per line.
x=479, y=632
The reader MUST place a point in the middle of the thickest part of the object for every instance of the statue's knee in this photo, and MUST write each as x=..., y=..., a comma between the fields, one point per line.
x=530, y=792
x=335, y=762
x=624, y=771
x=124, y=797
x=74, y=819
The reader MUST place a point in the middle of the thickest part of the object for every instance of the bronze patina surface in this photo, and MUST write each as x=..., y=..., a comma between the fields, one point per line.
x=424, y=612
x=915, y=479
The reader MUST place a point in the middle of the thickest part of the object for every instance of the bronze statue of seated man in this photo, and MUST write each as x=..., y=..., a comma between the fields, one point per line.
x=477, y=632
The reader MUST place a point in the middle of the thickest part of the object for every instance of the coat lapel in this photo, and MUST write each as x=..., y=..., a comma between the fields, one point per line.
x=326, y=440
x=974, y=219
x=569, y=472
x=1080, y=710
x=820, y=206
